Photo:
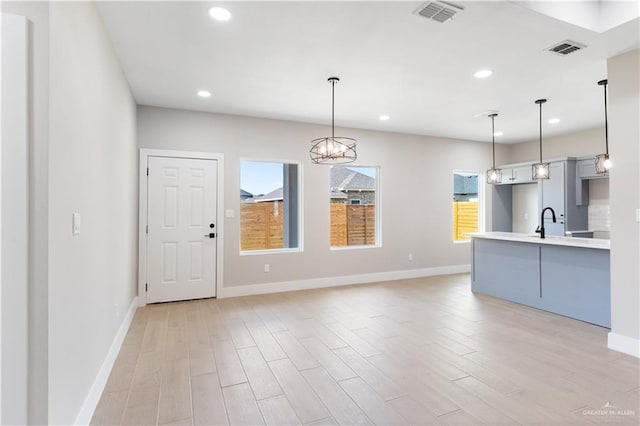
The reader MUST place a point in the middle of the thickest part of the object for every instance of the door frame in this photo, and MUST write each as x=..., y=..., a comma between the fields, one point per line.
x=143, y=210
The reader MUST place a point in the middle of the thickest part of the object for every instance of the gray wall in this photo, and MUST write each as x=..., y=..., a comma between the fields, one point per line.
x=582, y=143
x=93, y=171
x=624, y=139
x=416, y=191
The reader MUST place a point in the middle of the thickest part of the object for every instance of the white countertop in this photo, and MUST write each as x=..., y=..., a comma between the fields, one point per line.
x=593, y=243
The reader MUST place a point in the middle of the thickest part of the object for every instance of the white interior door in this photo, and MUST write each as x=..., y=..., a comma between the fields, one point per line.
x=181, y=241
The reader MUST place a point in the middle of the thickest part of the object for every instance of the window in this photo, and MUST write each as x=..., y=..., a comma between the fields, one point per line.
x=465, y=204
x=269, y=206
x=354, y=206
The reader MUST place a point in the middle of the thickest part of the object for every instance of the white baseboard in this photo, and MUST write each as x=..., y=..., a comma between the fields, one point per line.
x=277, y=287
x=93, y=397
x=624, y=344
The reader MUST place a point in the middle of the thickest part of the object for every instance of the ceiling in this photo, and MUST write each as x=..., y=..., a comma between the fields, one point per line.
x=272, y=59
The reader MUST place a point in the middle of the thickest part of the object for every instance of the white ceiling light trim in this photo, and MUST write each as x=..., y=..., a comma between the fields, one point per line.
x=384, y=117
x=220, y=14
x=483, y=73
x=204, y=93
x=554, y=120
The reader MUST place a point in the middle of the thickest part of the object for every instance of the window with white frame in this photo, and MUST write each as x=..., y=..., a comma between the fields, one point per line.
x=466, y=199
x=269, y=206
x=354, y=202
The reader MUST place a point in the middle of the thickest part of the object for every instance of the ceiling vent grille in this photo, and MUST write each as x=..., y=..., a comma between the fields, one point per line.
x=565, y=47
x=440, y=11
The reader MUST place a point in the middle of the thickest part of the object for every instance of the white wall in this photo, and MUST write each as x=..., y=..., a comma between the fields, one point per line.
x=38, y=15
x=624, y=142
x=93, y=171
x=416, y=191
x=15, y=213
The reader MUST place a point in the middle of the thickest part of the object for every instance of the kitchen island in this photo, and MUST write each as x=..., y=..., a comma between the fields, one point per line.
x=565, y=275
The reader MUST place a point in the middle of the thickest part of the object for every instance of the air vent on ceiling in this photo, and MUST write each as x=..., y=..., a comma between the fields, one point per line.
x=440, y=11
x=565, y=47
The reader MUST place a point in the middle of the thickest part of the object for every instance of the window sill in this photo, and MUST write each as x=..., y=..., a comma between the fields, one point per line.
x=270, y=251
x=340, y=248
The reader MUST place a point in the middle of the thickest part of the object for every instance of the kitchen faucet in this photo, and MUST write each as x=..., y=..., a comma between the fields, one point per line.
x=541, y=227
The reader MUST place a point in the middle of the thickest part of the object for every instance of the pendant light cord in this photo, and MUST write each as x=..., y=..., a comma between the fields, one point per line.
x=333, y=90
x=541, y=132
x=606, y=124
x=493, y=139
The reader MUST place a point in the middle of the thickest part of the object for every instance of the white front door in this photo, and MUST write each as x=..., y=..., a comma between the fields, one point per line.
x=181, y=241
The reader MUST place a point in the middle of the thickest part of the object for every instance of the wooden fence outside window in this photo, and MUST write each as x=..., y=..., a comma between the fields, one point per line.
x=465, y=219
x=262, y=225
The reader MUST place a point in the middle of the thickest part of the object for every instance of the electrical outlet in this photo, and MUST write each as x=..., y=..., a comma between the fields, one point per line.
x=410, y=257
x=267, y=268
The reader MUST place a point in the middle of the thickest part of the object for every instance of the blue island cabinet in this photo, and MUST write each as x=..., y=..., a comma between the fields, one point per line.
x=566, y=280
x=575, y=282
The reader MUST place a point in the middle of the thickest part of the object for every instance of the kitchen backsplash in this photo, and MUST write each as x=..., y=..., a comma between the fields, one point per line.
x=599, y=217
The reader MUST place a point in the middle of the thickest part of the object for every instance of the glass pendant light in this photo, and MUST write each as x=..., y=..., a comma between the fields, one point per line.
x=493, y=175
x=603, y=163
x=540, y=170
x=333, y=149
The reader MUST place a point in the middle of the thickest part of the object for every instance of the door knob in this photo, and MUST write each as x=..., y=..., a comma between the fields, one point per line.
x=210, y=235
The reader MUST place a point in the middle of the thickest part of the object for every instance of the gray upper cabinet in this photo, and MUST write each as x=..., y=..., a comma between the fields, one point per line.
x=517, y=174
x=586, y=169
x=507, y=176
x=585, y=172
x=522, y=174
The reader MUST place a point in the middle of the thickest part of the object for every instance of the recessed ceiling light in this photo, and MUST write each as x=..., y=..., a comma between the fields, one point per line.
x=204, y=94
x=219, y=13
x=498, y=134
x=384, y=117
x=483, y=74
x=554, y=120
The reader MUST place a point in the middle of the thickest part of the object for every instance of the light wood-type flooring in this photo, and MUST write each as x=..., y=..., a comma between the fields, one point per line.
x=419, y=351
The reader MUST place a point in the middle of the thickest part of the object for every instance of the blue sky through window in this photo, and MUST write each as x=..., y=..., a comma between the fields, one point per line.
x=260, y=177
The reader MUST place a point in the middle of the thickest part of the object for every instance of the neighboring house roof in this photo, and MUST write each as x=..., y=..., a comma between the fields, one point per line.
x=275, y=195
x=342, y=180
x=245, y=194
x=345, y=179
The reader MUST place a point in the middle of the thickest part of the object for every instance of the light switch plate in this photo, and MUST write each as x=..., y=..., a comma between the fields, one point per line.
x=76, y=223
x=229, y=213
